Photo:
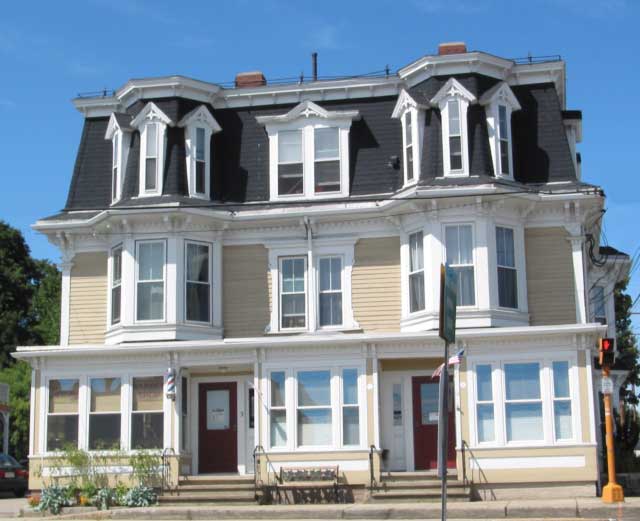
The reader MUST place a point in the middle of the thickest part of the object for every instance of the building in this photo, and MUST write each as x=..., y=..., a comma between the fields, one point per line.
x=258, y=267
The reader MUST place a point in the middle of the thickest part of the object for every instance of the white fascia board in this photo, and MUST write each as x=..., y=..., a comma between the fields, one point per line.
x=308, y=109
x=468, y=60
x=137, y=348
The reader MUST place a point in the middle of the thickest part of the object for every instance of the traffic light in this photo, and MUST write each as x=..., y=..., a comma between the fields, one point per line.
x=607, y=352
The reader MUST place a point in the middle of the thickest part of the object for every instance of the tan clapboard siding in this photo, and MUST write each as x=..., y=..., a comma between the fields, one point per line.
x=376, y=284
x=88, y=299
x=550, y=282
x=245, y=290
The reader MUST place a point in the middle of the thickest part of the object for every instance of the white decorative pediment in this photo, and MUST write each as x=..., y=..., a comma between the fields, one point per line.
x=200, y=117
x=151, y=113
x=405, y=101
x=118, y=122
x=452, y=89
x=309, y=109
x=500, y=93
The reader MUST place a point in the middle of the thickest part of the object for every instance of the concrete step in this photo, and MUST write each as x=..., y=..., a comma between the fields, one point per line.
x=213, y=492
x=224, y=479
x=203, y=498
x=429, y=495
x=420, y=485
x=216, y=487
x=420, y=475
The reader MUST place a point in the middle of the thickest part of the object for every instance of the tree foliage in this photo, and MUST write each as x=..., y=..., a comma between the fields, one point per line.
x=627, y=356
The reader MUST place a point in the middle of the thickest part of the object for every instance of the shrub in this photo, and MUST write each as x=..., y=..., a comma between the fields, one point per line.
x=120, y=492
x=104, y=498
x=147, y=468
x=140, y=497
x=53, y=499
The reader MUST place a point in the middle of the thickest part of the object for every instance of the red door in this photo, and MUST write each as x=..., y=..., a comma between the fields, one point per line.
x=425, y=424
x=218, y=432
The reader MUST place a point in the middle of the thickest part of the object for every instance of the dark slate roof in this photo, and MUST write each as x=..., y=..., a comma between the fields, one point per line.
x=124, y=120
x=71, y=216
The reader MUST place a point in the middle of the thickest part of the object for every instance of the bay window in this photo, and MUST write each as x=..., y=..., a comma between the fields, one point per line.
x=116, y=284
x=62, y=414
x=278, y=410
x=150, y=280
x=507, y=274
x=290, y=167
x=293, y=296
x=416, y=272
x=459, y=256
x=198, y=282
x=523, y=402
x=561, y=401
x=485, y=412
x=147, y=417
x=327, y=160
x=314, y=408
x=330, y=291
x=104, y=414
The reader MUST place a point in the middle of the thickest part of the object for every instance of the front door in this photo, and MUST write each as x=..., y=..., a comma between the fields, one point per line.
x=218, y=432
x=425, y=424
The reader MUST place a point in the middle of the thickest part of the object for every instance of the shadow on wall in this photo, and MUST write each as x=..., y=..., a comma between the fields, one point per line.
x=530, y=162
x=360, y=138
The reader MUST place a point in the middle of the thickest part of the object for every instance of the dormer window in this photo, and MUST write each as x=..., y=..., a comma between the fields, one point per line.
x=500, y=102
x=309, y=152
x=119, y=132
x=453, y=100
x=408, y=146
x=115, y=174
x=152, y=124
x=411, y=115
x=199, y=125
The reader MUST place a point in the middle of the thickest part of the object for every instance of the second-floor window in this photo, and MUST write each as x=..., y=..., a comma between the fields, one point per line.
x=116, y=284
x=507, y=274
x=330, y=291
x=459, y=255
x=150, y=283
x=598, y=304
x=290, y=167
x=416, y=272
x=198, y=282
x=293, y=292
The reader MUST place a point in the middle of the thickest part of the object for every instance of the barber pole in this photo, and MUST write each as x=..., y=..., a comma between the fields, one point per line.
x=171, y=383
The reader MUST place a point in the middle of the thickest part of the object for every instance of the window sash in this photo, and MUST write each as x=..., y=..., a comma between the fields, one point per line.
x=314, y=422
x=408, y=144
x=114, y=168
x=278, y=412
x=198, y=282
x=486, y=425
x=598, y=302
x=523, y=412
x=151, y=157
x=506, y=265
x=155, y=284
x=294, y=296
x=116, y=284
x=503, y=139
x=459, y=256
x=330, y=291
x=455, y=135
x=416, y=272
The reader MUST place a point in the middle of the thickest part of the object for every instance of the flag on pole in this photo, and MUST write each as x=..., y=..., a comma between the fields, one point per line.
x=437, y=372
x=455, y=359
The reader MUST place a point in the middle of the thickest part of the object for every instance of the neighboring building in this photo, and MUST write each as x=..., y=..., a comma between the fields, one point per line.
x=278, y=248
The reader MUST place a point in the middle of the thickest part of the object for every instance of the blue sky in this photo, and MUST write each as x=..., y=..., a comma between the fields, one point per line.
x=50, y=51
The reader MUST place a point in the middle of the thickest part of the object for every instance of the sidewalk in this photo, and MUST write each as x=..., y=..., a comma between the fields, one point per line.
x=582, y=508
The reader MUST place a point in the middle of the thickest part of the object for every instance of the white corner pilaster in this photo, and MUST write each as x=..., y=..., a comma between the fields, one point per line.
x=577, y=257
x=65, y=296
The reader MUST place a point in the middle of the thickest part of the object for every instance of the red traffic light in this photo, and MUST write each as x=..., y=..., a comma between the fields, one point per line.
x=607, y=351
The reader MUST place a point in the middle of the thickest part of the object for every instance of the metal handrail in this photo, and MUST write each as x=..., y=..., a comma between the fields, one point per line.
x=372, y=480
x=482, y=478
x=166, y=467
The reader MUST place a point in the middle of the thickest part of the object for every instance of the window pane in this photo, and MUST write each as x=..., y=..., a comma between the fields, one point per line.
x=290, y=179
x=504, y=157
x=524, y=421
x=105, y=394
x=314, y=388
x=290, y=146
x=597, y=298
x=350, y=426
x=409, y=163
x=505, y=247
x=200, y=177
x=150, y=261
x=104, y=431
x=330, y=309
x=277, y=389
x=466, y=286
x=197, y=262
x=152, y=140
x=486, y=431
x=507, y=288
x=327, y=176
x=198, y=302
x=416, y=256
x=502, y=119
x=562, y=419
x=416, y=291
x=350, y=386
x=454, y=118
x=150, y=301
x=452, y=245
x=326, y=143
x=397, y=405
x=200, y=144
x=116, y=272
x=429, y=403
x=62, y=432
x=293, y=311
x=522, y=381
x=63, y=396
x=407, y=129
x=146, y=430
x=330, y=273
x=150, y=174
x=278, y=428
x=115, y=304
x=561, y=379
x=466, y=244
x=147, y=393
x=484, y=387
x=455, y=153
x=314, y=427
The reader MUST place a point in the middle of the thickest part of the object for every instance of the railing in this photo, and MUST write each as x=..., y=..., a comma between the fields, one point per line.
x=482, y=478
x=372, y=478
x=258, y=481
x=167, y=454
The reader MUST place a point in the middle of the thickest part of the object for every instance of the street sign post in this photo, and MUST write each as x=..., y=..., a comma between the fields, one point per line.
x=448, y=303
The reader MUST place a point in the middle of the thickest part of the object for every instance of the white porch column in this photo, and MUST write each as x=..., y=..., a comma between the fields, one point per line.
x=579, y=277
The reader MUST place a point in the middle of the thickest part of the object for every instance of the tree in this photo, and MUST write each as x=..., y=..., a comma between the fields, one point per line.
x=627, y=356
x=18, y=376
x=45, y=305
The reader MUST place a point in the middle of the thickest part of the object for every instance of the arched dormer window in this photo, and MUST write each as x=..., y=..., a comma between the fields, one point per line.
x=152, y=124
x=499, y=103
x=453, y=100
x=119, y=132
x=411, y=115
x=309, y=152
x=199, y=125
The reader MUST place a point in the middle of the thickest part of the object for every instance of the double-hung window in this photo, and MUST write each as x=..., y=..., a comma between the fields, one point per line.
x=598, y=303
x=507, y=274
x=147, y=418
x=485, y=413
x=416, y=272
x=459, y=248
x=115, y=179
x=198, y=282
x=104, y=414
x=62, y=416
x=350, y=408
x=562, y=401
x=290, y=166
x=151, y=157
x=116, y=284
x=327, y=160
x=278, y=410
x=293, y=292
x=330, y=291
x=150, y=280
x=523, y=402
x=408, y=145
x=200, y=161
x=504, y=139
x=314, y=408
x=455, y=135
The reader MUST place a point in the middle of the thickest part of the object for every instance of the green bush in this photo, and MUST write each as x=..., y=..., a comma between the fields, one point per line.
x=54, y=498
x=104, y=498
x=147, y=468
x=140, y=497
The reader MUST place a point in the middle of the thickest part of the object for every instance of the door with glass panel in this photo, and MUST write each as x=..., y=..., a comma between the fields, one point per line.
x=217, y=432
x=425, y=424
x=393, y=424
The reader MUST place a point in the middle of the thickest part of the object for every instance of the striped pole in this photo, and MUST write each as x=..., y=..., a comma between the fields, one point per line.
x=171, y=383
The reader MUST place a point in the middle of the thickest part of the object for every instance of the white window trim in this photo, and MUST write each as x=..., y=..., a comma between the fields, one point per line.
x=453, y=90
x=209, y=246
x=122, y=135
x=406, y=104
x=166, y=412
x=306, y=117
x=200, y=117
x=136, y=279
x=500, y=94
x=45, y=414
x=110, y=323
x=409, y=273
x=515, y=266
x=474, y=248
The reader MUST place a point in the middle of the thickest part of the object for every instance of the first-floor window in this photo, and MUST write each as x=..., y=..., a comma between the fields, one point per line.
x=116, y=284
x=350, y=408
x=293, y=294
x=62, y=415
x=150, y=280
x=484, y=404
x=416, y=272
x=330, y=291
x=104, y=414
x=459, y=248
x=523, y=402
x=561, y=401
x=314, y=408
x=147, y=418
x=278, y=411
x=198, y=282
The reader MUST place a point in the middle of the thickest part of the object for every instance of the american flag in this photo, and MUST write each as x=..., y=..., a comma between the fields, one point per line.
x=437, y=372
x=455, y=359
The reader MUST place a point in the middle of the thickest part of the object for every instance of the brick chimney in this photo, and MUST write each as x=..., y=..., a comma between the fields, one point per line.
x=451, y=48
x=250, y=79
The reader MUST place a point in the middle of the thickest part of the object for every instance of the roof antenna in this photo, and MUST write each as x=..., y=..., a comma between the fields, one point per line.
x=314, y=65
x=530, y=56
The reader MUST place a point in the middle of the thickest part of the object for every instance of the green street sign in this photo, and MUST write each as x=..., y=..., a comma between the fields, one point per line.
x=448, y=303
